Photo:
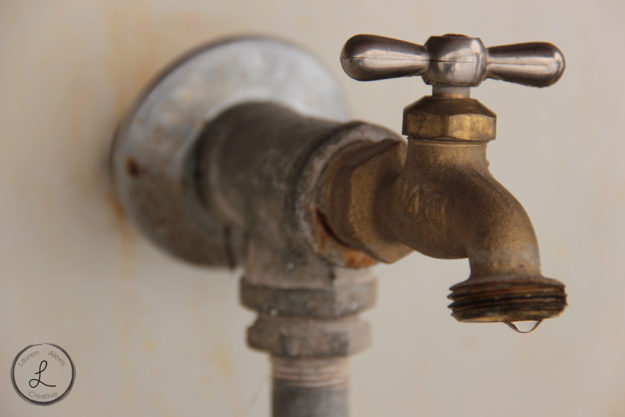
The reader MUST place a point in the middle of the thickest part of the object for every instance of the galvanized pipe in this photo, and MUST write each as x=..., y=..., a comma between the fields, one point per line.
x=259, y=166
x=310, y=388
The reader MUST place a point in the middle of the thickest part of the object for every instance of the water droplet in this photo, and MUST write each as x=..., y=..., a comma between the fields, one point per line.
x=524, y=326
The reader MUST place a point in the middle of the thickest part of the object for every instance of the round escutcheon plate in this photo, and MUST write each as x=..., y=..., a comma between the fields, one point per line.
x=153, y=146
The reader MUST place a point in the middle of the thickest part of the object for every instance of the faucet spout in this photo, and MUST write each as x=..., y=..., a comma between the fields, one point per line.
x=446, y=204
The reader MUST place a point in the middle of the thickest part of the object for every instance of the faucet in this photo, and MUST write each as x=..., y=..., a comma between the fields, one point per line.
x=436, y=195
x=239, y=154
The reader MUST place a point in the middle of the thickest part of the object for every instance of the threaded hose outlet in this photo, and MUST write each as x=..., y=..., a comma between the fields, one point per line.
x=507, y=299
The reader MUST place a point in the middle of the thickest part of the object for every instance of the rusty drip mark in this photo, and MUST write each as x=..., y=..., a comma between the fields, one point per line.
x=120, y=216
x=117, y=207
x=352, y=257
x=326, y=230
x=132, y=168
x=355, y=259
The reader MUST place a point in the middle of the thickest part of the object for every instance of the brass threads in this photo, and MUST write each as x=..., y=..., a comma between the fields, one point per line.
x=507, y=299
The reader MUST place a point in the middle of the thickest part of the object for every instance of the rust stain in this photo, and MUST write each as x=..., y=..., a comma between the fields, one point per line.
x=118, y=210
x=321, y=232
x=133, y=168
x=355, y=259
x=121, y=218
x=325, y=231
x=149, y=346
x=143, y=39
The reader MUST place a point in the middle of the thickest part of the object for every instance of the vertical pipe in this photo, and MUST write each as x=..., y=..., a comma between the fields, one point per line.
x=310, y=387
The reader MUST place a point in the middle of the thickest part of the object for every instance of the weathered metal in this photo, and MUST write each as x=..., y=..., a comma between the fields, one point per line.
x=260, y=165
x=348, y=294
x=306, y=338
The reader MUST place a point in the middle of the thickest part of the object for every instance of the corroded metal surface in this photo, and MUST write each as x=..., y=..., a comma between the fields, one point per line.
x=259, y=190
x=311, y=217
x=260, y=166
x=222, y=187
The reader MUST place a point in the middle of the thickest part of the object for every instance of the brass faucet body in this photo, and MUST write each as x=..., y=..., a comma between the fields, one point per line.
x=436, y=195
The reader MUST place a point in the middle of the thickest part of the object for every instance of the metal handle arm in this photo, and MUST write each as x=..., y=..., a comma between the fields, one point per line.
x=452, y=60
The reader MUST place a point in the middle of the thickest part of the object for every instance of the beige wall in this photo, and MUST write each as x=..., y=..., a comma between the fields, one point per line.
x=153, y=337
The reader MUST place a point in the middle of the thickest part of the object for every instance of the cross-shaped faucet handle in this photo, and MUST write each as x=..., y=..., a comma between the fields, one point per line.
x=452, y=61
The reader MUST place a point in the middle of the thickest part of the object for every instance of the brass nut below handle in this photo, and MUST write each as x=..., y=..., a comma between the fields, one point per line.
x=455, y=119
x=350, y=205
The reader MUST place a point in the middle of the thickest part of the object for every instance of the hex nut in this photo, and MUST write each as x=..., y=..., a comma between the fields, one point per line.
x=289, y=337
x=342, y=297
x=460, y=119
x=351, y=204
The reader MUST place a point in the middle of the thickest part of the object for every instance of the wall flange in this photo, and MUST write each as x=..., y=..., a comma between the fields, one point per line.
x=152, y=158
